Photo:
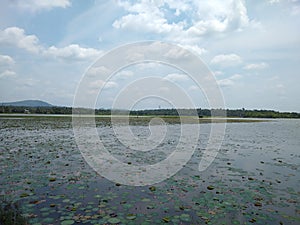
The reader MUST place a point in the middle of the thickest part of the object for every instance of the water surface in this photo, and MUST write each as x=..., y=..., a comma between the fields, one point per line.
x=254, y=179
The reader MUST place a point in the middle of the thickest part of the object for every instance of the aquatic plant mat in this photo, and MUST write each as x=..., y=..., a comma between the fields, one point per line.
x=254, y=179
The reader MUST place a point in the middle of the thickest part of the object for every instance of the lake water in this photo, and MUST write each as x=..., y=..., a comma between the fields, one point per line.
x=254, y=179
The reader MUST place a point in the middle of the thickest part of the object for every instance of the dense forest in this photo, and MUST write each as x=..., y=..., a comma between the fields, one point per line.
x=239, y=113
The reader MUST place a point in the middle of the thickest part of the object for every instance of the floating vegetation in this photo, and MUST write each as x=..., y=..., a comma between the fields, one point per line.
x=114, y=220
x=254, y=179
x=131, y=217
x=67, y=222
x=210, y=187
x=152, y=188
x=52, y=179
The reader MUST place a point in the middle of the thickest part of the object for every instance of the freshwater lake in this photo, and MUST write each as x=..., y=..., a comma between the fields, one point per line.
x=254, y=179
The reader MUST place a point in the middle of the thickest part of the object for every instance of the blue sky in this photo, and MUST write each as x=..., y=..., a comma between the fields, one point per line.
x=252, y=46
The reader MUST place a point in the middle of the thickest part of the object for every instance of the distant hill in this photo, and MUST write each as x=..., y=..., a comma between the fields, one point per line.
x=27, y=103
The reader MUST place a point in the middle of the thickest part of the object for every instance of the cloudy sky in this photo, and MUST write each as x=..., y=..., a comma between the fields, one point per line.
x=251, y=46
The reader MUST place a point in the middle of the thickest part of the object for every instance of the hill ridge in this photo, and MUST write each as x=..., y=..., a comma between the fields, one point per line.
x=28, y=103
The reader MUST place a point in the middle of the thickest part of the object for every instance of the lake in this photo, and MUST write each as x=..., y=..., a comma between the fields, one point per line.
x=254, y=179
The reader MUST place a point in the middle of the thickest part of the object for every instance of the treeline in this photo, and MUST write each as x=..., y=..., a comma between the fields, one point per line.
x=261, y=114
x=239, y=113
x=51, y=110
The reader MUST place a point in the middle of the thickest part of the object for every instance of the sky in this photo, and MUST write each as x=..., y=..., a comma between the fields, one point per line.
x=251, y=46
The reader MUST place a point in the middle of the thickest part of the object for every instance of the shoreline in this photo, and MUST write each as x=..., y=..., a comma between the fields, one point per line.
x=172, y=119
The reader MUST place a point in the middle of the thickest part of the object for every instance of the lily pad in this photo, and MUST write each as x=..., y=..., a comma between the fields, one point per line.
x=48, y=220
x=185, y=217
x=67, y=222
x=131, y=217
x=114, y=220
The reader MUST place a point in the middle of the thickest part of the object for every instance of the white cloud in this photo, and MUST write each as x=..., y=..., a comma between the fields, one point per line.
x=225, y=82
x=226, y=60
x=256, y=66
x=178, y=6
x=16, y=36
x=30, y=82
x=176, y=53
x=6, y=60
x=98, y=71
x=280, y=86
x=135, y=56
x=124, y=74
x=273, y=1
x=218, y=73
x=201, y=18
x=220, y=16
x=145, y=16
x=148, y=23
x=203, y=27
x=103, y=84
x=176, y=77
x=293, y=4
x=164, y=89
x=36, y=5
x=195, y=49
x=236, y=77
x=7, y=74
x=73, y=51
x=144, y=66
x=194, y=88
x=228, y=82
